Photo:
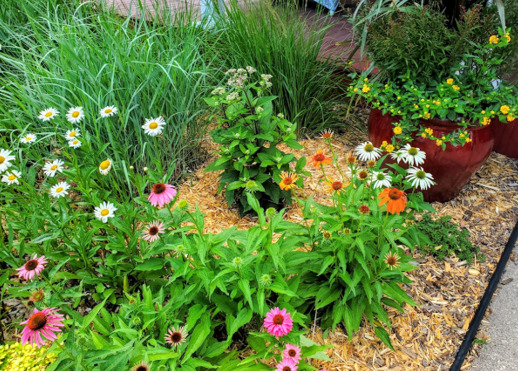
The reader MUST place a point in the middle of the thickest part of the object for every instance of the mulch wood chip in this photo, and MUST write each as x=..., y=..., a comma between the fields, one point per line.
x=425, y=337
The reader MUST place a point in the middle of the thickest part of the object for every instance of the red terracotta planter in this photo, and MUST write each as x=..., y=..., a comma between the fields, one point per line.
x=451, y=168
x=506, y=137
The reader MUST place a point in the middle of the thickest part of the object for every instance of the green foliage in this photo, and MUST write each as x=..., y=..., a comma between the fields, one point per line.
x=280, y=41
x=447, y=239
x=249, y=133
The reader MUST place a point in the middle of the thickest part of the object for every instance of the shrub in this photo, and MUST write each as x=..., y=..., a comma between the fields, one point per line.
x=445, y=239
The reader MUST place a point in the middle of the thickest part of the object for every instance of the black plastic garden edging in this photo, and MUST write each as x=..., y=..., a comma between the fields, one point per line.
x=484, y=303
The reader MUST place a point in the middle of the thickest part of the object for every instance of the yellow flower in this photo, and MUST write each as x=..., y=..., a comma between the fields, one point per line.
x=384, y=144
x=427, y=115
x=355, y=90
x=485, y=121
x=494, y=39
x=389, y=148
x=462, y=135
x=429, y=131
x=510, y=118
x=450, y=81
x=423, y=135
x=398, y=97
x=468, y=140
x=456, y=87
x=366, y=88
x=397, y=130
x=366, y=79
x=507, y=37
x=505, y=109
x=438, y=142
x=416, y=106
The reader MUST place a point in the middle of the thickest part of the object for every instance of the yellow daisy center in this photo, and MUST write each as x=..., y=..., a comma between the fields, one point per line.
x=54, y=167
x=11, y=177
x=28, y=139
x=75, y=114
x=48, y=114
x=108, y=110
x=75, y=141
x=72, y=134
x=2, y=159
x=412, y=151
x=105, y=212
x=105, y=165
x=153, y=125
x=59, y=190
x=368, y=147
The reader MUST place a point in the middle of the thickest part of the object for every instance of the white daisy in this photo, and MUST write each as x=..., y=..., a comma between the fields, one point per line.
x=51, y=168
x=5, y=160
x=154, y=127
x=60, y=189
x=105, y=166
x=104, y=211
x=381, y=180
x=29, y=138
x=72, y=134
x=108, y=111
x=74, y=143
x=398, y=155
x=48, y=114
x=75, y=114
x=366, y=152
x=11, y=177
x=420, y=178
x=413, y=155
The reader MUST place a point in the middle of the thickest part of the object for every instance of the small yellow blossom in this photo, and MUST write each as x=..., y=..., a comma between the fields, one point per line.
x=366, y=88
x=397, y=130
x=494, y=39
x=384, y=144
x=429, y=131
x=427, y=115
x=508, y=37
x=389, y=148
x=505, y=109
x=438, y=142
x=450, y=81
x=468, y=140
x=423, y=135
x=485, y=121
x=456, y=87
x=416, y=106
x=510, y=118
x=365, y=79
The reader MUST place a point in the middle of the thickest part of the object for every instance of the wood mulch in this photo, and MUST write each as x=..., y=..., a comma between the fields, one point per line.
x=425, y=337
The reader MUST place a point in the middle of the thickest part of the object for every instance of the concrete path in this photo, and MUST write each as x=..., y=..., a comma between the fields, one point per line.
x=501, y=352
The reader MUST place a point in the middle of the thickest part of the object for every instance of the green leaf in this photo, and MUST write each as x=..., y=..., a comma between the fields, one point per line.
x=384, y=336
x=152, y=264
x=244, y=285
x=198, y=336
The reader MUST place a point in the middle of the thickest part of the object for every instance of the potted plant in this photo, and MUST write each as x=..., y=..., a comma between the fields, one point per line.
x=435, y=90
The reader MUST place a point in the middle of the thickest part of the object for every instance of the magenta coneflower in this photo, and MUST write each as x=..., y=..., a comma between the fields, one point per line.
x=43, y=323
x=286, y=365
x=161, y=194
x=32, y=267
x=151, y=233
x=176, y=336
x=292, y=352
x=278, y=322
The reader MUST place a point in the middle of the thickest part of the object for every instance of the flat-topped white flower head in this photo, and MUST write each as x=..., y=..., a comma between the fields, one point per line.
x=72, y=134
x=413, y=155
x=11, y=177
x=28, y=138
x=420, y=178
x=51, y=168
x=105, y=166
x=5, y=159
x=48, y=114
x=108, y=111
x=366, y=152
x=154, y=127
x=76, y=143
x=60, y=189
x=104, y=211
x=75, y=114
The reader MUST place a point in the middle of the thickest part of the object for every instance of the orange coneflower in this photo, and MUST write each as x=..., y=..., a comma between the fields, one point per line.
x=392, y=260
x=364, y=209
x=394, y=198
x=326, y=134
x=335, y=185
x=320, y=159
x=288, y=180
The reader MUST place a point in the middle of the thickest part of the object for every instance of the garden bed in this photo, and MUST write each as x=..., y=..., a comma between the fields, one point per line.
x=447, y=292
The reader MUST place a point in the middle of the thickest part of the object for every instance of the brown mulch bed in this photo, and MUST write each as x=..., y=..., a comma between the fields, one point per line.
x=447, y=292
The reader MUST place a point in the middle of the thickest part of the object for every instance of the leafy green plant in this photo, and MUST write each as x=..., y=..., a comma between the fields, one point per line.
x=249, y=133
x=445, y=239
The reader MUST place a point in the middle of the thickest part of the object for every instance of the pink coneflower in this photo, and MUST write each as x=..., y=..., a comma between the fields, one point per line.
x=176, y=337
x=43, y=323
x=32, y=267
x=278, y=322
x=161, y=194
x=292, y=352
x=286, y=365
x=151, y=233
